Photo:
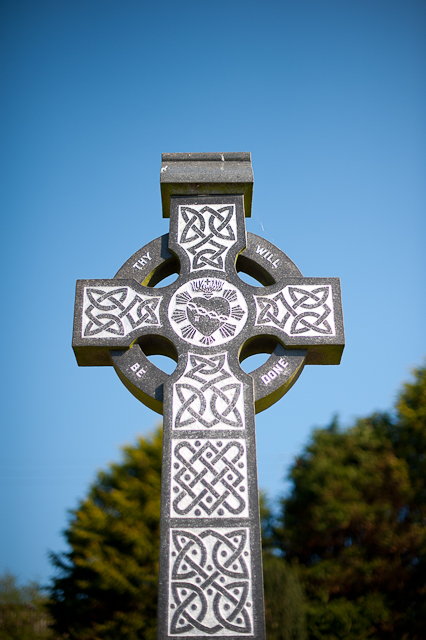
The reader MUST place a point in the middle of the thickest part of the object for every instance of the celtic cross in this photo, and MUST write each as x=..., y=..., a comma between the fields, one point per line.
x=208, y=321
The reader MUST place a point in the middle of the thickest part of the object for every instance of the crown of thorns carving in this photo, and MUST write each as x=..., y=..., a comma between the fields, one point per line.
x=207, y=286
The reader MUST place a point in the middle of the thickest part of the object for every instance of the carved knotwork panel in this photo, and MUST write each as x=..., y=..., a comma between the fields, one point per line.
x=117, y=311
x=206, y=233
x=210, y=588
x=306, y=310
x=208, y=395
x=209, y=478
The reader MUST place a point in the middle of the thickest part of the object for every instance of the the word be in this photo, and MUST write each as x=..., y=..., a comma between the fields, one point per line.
x=136, y=368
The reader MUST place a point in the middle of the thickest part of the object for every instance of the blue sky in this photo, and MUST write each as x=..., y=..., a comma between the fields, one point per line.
x=330, y=99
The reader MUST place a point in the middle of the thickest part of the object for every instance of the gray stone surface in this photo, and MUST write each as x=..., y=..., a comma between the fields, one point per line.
x=209, y=320
x=188, y=174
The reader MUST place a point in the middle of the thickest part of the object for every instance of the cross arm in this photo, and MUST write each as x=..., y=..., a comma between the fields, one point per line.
x=111, y=314
x=304, y=313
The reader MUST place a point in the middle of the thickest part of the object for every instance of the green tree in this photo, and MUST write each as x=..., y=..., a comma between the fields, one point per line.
x=107, y=582
x=355, y=523
x=23, y=614
x=285, y=608
x=285, y=613
x=408, y=434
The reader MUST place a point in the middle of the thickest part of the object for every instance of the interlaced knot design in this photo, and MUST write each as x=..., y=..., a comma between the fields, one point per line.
x=117, y=311
x=206, y=234
x=202, y=402
x=210, y=478
x=298, y=311
x=210, y=582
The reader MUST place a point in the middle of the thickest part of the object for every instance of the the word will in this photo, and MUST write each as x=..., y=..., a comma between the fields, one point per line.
x=268, y=256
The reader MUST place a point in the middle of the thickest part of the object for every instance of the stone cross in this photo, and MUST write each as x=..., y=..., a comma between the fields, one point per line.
x=208, y=320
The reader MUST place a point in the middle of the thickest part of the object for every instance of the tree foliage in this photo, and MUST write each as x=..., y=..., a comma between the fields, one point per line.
x=355, y=524
x=107, y=582
x=23, y=614
x=285, y=614
x=285, y=606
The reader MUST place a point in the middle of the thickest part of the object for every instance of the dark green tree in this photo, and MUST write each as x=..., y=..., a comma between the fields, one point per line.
x=408, y=434
x=285, y=607
x=23, y=614
x=355, y=524
x=107, y=582
x=285, y=611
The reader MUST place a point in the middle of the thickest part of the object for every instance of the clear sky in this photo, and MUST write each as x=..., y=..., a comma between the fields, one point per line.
x=329, y=96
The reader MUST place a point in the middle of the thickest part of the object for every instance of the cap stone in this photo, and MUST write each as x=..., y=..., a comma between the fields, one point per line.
x=187, y=174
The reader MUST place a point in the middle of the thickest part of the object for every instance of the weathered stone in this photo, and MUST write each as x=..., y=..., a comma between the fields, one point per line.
x=188, y=174
x=209, y=320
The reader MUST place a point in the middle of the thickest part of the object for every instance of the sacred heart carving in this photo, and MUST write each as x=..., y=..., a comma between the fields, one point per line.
x=208, y=315
x=207, y=310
